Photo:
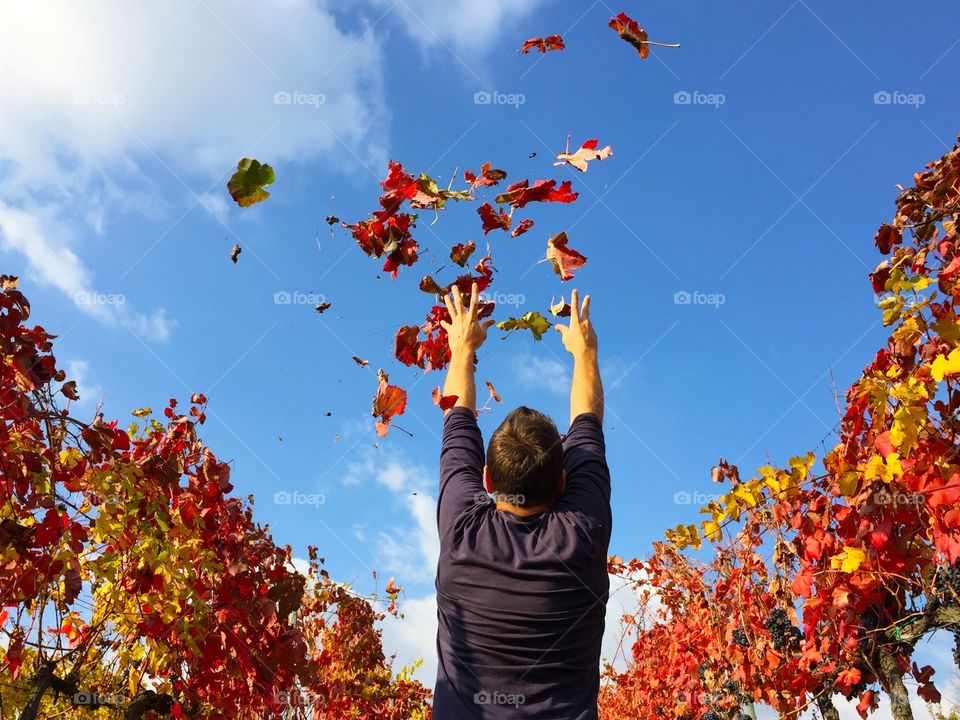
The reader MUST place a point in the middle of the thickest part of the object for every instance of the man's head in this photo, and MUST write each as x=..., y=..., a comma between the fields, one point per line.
x=525, y=460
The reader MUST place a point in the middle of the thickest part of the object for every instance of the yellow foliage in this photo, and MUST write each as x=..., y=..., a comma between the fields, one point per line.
x=848, y=560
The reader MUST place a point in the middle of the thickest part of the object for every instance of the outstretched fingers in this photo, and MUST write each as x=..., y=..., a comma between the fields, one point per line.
x=474, y=302
x=574, y=307
x=458, y=300
x=450, y=308
x=585, y=310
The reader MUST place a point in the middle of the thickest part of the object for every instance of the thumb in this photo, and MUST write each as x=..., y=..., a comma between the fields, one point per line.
x=445, y=325
x=487, y=323
x=561, y=328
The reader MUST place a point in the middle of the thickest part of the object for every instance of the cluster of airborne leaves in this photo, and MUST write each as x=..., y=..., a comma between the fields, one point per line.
x=388, y=235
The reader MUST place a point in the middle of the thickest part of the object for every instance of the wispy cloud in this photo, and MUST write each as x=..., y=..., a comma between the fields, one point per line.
x=542, y=372
x=130, y=121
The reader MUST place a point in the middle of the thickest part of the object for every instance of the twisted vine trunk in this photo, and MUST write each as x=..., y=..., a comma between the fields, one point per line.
x=145, y=701
x=892, y=678
x=40, y=683
x=828, y=711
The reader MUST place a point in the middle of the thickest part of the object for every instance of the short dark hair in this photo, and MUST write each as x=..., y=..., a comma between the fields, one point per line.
x=525, y=458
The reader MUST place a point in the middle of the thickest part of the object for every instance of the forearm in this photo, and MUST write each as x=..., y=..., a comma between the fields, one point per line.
x=460, y=380
x=586, y=390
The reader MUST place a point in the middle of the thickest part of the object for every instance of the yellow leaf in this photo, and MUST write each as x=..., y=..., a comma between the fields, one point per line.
x=945, y=365
x=849, y=482
x=849, y=560
x=884, y=470
x=711, y=531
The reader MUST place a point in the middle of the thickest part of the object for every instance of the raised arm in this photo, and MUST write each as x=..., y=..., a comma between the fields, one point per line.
x=465, y=335
x=580, y=340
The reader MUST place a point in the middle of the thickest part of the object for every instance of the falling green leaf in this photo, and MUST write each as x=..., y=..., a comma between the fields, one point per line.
x=532, y=321
x=247, y=183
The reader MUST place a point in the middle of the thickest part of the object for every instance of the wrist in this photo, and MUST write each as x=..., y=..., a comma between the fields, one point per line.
x=462, y=355
x=587, y=355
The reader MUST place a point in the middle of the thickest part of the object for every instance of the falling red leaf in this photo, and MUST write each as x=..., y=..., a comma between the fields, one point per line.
x=406, y=345
x=460, y=253
x=630, y=31
x=521, y=193
x=390, y=235
x=390, y=400
x=405, y=254
x=235, y=253
x=522, y=227
x=360, y=361
x=493, y=393
x=445, y=402
x=322, y=307
x=398, y=186
x=429, y=285
x=488, y=176
x=493, y=219
x=565, y=259
x=587, y=152
x=543, y=44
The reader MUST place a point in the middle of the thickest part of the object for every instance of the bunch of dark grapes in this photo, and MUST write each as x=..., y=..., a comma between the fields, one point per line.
x=946, y=585
x=869, y=622
x=781, y=631
x=740, y=637
x=702, y=671
x=956, y=648
x=744, y=716
x=861, y=687
x=710, y=715
x=732, y=687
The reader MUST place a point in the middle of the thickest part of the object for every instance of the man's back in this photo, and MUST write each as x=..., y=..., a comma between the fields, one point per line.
x=521, y=598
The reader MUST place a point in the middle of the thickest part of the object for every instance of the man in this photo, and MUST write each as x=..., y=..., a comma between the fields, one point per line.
x=521, y=581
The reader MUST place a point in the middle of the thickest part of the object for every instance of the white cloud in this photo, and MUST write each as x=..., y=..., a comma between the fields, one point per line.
x=414, y=637
x=466, y=26
x=95, y=95
x=215, y=204
x=547, y=373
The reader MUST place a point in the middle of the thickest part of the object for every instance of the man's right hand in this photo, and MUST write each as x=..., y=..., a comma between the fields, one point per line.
x=579, y=337
x=580, y=340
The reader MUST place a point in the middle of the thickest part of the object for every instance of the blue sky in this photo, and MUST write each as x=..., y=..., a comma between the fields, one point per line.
x=764, y=192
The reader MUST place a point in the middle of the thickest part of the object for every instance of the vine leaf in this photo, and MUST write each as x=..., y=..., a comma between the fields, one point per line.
x=246, y=185
x=533, y=321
